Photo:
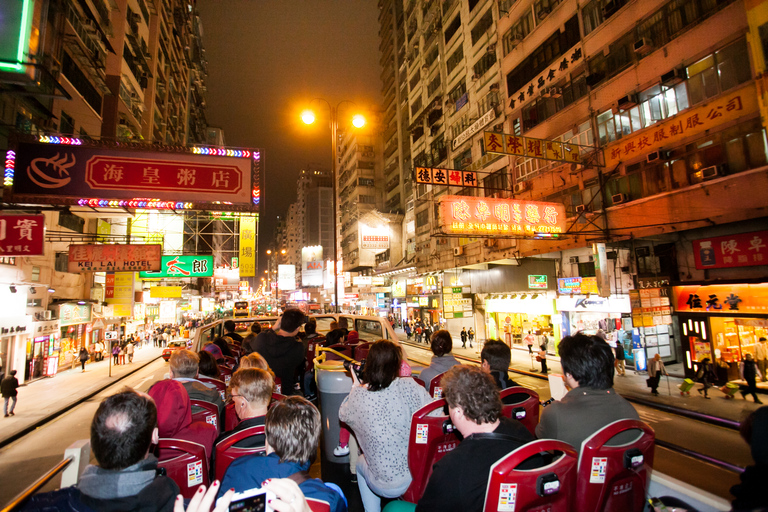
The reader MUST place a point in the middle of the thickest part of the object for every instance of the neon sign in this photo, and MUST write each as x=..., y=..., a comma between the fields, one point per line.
x=487, y=216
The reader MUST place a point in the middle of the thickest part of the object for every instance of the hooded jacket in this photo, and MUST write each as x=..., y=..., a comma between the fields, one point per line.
x=174, y=418
x=135, y=488
x=283, y=354
x=750, y=493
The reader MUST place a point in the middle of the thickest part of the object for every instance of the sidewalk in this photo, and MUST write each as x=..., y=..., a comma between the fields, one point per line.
x=47, y=397
x=633, y=385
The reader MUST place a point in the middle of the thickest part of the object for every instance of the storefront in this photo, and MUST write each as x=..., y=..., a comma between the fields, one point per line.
x=73, y=320
x=722, y=322
x=510, y=316
x=424, y=300
x=14, y=333
x=589, y=313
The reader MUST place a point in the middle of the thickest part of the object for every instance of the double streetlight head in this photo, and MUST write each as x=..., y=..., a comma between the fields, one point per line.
x=308, y=116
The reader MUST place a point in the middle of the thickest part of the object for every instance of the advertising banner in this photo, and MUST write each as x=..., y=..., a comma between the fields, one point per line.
x=182, y=266
x=374, y=238
x=740, y=250
x=312, y=266
x=226, y=279
x=47, y=172
x=577, y=285
x=487, y=216
x=601, y=269
x=247, y=262
x=165, y=292
x=22, y=235
x=168, y=312
x=118, y=293
x=72, y=314
x=286, y=277
x=105, y=258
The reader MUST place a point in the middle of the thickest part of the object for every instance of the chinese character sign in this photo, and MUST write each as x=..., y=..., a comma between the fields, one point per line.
x=506, y=144
x=182, y=266
x=452, y=177
x=721, y=298
x=247, y=246
x=487, y=216
x=104, y=258
x=741, y=250
x=22, y=235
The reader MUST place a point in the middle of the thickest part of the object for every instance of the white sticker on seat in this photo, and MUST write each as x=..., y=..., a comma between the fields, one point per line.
x=194, y=473
x=599, y=465
x=422, y=433
x=507, y=497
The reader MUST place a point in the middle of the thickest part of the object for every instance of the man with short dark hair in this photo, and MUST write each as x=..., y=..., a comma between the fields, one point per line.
x=495, y=358
x=283, y=352
x=459, y=480
x=229, y=328
x=591, y=403
x=123, y=429
x=247, y=346
x=184, y=366
x=8, y=387
x=337, y=334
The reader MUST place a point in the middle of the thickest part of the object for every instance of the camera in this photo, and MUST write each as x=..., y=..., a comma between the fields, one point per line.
x=354, y=366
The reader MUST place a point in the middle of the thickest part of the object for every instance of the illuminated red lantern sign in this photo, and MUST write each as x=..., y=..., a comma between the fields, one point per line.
x=463, y=215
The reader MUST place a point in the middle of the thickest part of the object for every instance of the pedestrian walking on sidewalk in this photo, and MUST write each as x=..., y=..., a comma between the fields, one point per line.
x=116, y=354
x=121, y=354
x=471, y=336
x=705, y=374
x=8, y=388
x=129, y=350
x=750, y=373
x=83, y=357
x=655, y=370
x=761, y=356
x=529, y=339
x=542, y=357
x=463, y=337
x=620, y=357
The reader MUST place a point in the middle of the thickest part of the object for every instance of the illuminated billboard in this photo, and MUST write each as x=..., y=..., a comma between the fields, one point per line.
x=312, y=266
x=286, y=277
x=65, y=170
x=15, y=30
x=464, y=215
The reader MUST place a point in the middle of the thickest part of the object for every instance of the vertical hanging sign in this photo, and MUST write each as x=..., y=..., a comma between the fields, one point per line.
x=247, y=246
x=601, y=270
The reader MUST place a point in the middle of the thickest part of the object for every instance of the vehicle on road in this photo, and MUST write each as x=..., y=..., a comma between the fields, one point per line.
x=172, y=345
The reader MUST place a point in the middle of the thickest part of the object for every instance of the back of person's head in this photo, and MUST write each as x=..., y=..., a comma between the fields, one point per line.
x=291, y=320
x=353, y=337
x=184, y=363
x=208, y=365
x=588, y=359
x=754, y=430
x=174, y=408
x=334, y=325
x=253, y=384
x=255, y=327
x=382, y=365
x=229, y=325
x=343, y=323
x=13, y=373
x=498, y=355
x=310, y=327
x=292, y=429
x=121, y=430
x=441, y=343
x=254, y=360
x=474, y=391
x=214, y=350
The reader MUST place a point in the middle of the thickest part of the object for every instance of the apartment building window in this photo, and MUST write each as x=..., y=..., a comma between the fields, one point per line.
x=517, y=32
x=489, y=101
x=452, y=28
x=460, y=125
x=592, y=15
x=365, y=182
x=463, y=160
x=66, y=124
x=482, y=26
x=414, y=82
x=526, y=168
x=71, y=221
x=542, y=8
x=718, y=72
x=35, y=277
x=582, y=135
x=496, y=185
x=438, y=150
x=455, y=59
x=458, y=91
x=484, y=63
x=472, y=4
x=422, y=219
x=416, y=107
x=61, y=263
x=432, y=55
x=434, y=85
x=80, y=82
x=363, y=199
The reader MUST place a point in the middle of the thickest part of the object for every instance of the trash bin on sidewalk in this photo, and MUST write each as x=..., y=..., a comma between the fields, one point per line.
x=333, y=386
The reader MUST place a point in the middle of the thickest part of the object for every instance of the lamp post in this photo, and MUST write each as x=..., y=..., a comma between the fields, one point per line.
x=358, y=121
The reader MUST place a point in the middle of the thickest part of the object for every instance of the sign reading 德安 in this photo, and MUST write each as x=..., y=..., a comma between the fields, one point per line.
x=537, y=282
x=114, y=258
x=466, y=215
x=182, y=266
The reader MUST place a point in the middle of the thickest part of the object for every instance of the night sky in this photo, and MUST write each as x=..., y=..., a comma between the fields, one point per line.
x=267, y=59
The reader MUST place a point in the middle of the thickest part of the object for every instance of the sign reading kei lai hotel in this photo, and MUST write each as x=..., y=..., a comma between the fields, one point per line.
x=487, y=216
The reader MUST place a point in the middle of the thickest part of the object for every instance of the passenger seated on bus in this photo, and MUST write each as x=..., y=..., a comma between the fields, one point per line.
x=337, y=334
x=256, y=360
x=495, y=358
x=293, y=430
x=215, y=351
x=125, y=477
x=208, y=366
x=174, y=417
x=229, y=331
x=249, y=340
x=251, y=390
x=460, y=478
x=185, y=368
x=282, y=351
x=591, y=403
x=379, y=412
x=223, y=345
x=750, y=493
x=442, y=360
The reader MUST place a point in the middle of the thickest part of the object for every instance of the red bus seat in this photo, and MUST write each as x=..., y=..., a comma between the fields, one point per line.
x=230, y=362
x=344, y=349
x=361, y=350
x=310, y=353
x=226, y=374
x=278, y=385
x=221, y=386
x=230, y=417
x=427, y=444
x=208, y=414
x=435, y=390
x=226, y=452
x=420, y=382
x=189, y=469
x=526, y=411
x=549, y=487
x=615, y=478
x=316, y=505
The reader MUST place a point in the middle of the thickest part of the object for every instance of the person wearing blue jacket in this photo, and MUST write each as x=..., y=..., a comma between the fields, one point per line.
x=292, y=428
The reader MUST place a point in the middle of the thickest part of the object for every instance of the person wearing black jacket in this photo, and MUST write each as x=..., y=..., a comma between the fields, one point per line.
x=282, y=351
x=459, y=480
x=750, y=494
x=8, y=388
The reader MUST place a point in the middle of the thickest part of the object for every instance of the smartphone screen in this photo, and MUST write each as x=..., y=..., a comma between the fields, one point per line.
x=256, y=503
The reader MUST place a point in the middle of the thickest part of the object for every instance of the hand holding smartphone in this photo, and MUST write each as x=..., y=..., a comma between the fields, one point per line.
x=253, y=500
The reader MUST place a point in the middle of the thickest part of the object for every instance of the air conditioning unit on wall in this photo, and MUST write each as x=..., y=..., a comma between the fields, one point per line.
x=458, y=251
x=522, y=187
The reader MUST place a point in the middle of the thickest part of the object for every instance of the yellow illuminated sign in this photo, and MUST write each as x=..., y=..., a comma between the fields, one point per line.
x=247, y=246
x=165, y=292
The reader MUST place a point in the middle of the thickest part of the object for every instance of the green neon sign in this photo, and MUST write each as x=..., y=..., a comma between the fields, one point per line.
x=182, y=266
x=15, y=29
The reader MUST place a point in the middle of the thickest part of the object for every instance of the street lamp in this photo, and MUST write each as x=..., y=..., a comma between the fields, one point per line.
x=358, y=121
